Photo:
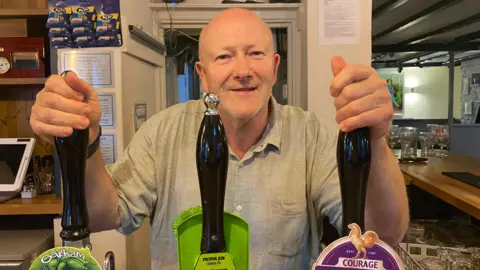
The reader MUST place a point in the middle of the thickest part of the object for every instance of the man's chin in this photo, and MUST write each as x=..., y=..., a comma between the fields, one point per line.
x=241, y=114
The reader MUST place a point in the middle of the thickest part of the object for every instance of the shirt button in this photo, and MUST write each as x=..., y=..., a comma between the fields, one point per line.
x=239, y=207
x=241, y=164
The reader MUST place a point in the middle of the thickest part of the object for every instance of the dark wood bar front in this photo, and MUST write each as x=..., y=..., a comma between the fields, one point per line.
x=428, y=177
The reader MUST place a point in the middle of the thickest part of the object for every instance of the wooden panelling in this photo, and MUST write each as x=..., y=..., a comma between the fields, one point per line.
x=23, y=11
x=13, y=27
x=23, y=81
x=15, y=110
x=40, y=205
x=37, y=3
x=8, y=119
x=23, y=4
x=15, y=4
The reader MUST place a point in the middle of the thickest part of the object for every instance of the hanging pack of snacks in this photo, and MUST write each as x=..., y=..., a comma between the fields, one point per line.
x=84, y=23
x=108, y=28
x=58, y=23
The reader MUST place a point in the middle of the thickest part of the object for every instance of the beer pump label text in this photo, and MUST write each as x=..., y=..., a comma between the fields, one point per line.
x=61, y=258
x=359, y=251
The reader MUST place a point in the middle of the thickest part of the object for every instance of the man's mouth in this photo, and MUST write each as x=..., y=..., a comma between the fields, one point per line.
x=244, y=89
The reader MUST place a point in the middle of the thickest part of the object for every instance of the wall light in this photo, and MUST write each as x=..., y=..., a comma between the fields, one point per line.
x=411, y=82
x=412, y=90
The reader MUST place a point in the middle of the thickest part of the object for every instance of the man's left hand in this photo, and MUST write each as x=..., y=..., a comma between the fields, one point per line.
x=361, y=98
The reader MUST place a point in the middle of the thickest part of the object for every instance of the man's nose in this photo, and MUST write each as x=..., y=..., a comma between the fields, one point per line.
x=242, y=68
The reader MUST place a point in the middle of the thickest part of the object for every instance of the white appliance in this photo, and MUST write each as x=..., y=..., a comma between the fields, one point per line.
x=18, y=248
x=15, y=156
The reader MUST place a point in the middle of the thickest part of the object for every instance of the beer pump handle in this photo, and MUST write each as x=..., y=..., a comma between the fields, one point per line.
x=72, y=153
x=353, y=160
x=212, y=166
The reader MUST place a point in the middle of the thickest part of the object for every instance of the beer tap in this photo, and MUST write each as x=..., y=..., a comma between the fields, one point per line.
x=207, y=236
x=72, y=153
x=76, y=245
x=212, y=166
x=353, y=160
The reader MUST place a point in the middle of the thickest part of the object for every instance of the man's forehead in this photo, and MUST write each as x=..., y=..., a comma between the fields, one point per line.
x=232, y=27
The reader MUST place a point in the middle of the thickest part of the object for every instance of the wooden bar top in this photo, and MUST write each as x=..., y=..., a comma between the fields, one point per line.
x=428, y=176
x=39, y=205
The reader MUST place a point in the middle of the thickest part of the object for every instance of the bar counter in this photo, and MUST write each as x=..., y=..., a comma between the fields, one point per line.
x=428, y=177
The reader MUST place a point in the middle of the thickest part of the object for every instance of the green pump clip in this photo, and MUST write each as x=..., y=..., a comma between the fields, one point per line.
x=207, y=236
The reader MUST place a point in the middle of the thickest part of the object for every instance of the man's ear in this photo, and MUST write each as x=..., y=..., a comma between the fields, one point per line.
x=203, y=78
x=276, y=63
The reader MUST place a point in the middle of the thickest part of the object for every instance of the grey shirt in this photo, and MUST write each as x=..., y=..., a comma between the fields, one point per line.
x=283, y=186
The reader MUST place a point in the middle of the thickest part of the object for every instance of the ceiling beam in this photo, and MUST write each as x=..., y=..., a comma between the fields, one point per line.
x=435, y=64
x=410, y=57
x=434, y=57
x=447, y=28
x=468, y=37
x=427, y=47
x=387, y=6
x=416, y=18
x=470, y=57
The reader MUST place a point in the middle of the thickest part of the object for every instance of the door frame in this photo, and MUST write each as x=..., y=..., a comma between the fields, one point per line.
x=197, y=16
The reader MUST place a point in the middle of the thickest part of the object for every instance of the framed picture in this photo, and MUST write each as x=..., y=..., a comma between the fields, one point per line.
x=395, y=83
x=466, y=86
x=468, y=108
x=475, y=79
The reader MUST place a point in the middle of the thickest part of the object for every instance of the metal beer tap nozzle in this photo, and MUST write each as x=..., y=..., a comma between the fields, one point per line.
x=109, y=261
x=211, y=101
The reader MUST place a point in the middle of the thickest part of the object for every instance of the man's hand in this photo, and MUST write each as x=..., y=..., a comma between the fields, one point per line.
x=361, y=98
x=64, y=105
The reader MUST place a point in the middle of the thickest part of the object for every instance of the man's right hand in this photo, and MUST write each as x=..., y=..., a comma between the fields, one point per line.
x=64, y=105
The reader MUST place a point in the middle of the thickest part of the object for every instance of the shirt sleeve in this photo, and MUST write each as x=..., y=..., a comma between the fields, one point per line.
x=326, y=194
x=133, y=175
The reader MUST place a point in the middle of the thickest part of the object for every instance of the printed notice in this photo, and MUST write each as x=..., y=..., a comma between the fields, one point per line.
x=109, y=147
x=107, y=105
x=339, y=22
x=140, y=114
x=94, y=68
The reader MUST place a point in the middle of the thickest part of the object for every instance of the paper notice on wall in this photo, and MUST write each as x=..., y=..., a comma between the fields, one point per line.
x=339, y=22
x=107, y=105
x=108, y=144
x=96, y=68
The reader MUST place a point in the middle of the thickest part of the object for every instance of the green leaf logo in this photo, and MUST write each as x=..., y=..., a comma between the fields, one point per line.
x=65, y=258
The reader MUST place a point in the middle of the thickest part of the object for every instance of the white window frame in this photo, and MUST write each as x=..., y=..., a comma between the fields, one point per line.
x=196, y=16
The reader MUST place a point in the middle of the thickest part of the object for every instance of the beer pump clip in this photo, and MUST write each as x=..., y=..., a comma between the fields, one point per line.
x=75, y=250
x=207, y=236
x=355, y=250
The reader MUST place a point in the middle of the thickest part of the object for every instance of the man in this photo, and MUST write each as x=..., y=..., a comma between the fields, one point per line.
x=282, y=175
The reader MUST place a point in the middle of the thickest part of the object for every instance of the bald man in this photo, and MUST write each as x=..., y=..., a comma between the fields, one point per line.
x=282, y=175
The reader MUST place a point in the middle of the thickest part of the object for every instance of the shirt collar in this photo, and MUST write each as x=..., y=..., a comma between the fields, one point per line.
x=272, y=136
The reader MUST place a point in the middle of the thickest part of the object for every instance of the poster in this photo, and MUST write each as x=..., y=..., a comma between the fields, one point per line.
x=339, y=22
x=96, y=68
x=108, y=145
x=107, y=105
x=140, y=114
x=395, y=82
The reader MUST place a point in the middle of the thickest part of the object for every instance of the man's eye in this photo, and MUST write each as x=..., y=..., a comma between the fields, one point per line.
x=256, y=53
x=222, y=57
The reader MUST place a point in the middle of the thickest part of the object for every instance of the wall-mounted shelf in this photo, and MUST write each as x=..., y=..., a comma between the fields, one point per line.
x=23, y=12
x=40, y=205
x=22, y=81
